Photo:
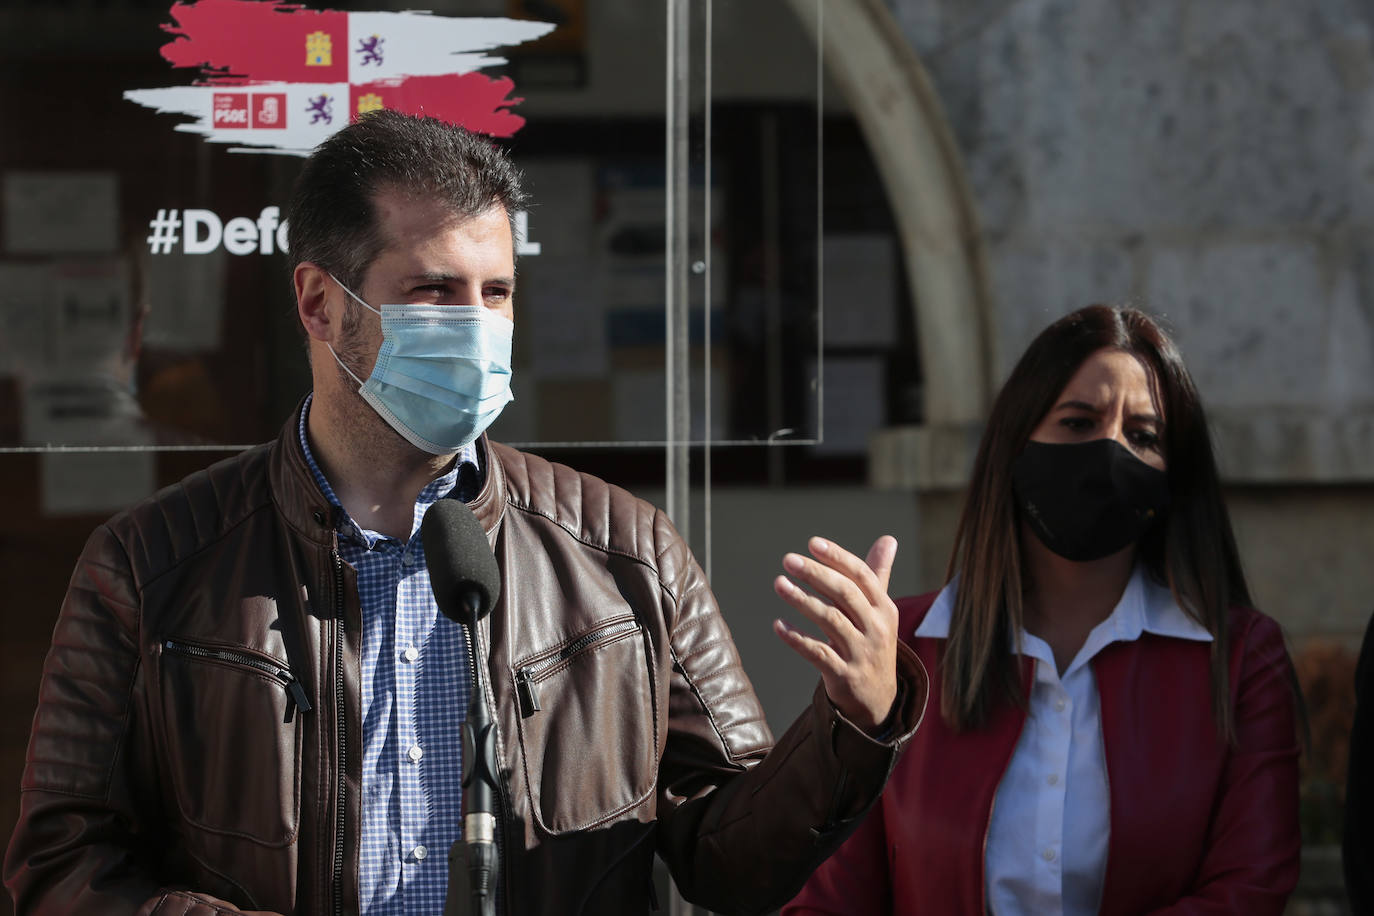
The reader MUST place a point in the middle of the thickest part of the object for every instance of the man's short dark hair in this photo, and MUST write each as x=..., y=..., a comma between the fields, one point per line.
x=333, y=222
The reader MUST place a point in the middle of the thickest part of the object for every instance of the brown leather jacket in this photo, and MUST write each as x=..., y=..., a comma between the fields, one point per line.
x=197, y=744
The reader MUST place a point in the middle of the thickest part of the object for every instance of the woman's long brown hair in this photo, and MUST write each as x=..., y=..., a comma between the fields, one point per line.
x=1193, y=550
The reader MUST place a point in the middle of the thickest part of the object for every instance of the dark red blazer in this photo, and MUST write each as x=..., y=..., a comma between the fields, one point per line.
x=1196, y=826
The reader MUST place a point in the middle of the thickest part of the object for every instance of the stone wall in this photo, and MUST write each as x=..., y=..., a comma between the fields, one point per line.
x=1210, y=161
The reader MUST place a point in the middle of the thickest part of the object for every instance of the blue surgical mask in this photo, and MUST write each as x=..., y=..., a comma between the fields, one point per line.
x=442, y=373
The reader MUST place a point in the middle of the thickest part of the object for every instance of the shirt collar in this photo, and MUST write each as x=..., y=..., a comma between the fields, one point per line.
x=432, y=492
x=1146, y=606
x=937, y=619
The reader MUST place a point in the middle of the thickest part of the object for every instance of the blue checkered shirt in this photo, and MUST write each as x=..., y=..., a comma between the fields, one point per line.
x=415, y=685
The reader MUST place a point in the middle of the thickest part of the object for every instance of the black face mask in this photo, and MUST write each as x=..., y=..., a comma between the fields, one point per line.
x=1087, y=500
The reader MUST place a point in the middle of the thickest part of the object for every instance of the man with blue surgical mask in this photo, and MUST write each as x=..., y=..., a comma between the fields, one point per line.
x=253, y=704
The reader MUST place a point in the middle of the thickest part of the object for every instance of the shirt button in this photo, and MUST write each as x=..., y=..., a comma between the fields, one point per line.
x=1059, y=705
x=1054, y=779
x=407, y=560
x=415, y=753
x=421, y=852
x=1048, y=854
x=411, y=653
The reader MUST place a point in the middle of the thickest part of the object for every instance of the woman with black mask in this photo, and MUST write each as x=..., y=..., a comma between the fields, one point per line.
x=1111, y=727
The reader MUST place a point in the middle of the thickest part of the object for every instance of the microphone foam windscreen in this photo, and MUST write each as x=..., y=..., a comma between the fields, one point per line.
x=460, y=561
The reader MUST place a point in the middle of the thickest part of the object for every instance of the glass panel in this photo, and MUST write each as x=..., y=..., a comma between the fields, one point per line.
x=143, y=291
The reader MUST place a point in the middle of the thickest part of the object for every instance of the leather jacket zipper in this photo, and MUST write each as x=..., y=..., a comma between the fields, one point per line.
x=527, y=678
x=341, y=797
x=280, y=674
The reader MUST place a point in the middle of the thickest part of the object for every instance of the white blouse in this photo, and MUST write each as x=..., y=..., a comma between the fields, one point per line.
x=1046, y=850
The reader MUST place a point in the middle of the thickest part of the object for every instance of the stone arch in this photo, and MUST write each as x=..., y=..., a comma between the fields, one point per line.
x=901, y=117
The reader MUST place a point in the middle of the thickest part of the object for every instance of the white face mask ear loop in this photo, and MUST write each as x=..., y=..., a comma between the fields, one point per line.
x=343, y=367
x=331, y=348
x=354, y=295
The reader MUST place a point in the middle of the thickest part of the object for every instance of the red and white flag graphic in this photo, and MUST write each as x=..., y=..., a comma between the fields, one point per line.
x=280, y=78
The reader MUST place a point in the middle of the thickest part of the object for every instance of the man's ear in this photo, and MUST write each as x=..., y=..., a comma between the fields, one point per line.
x=314, y=290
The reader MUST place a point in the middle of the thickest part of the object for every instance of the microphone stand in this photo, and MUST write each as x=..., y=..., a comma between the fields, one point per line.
x=474, y=860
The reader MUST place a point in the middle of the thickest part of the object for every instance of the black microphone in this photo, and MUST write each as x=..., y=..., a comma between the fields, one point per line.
x=466, y=583
x=462, y=568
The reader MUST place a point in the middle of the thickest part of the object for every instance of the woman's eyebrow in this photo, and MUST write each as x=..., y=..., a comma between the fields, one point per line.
x=1077, y=405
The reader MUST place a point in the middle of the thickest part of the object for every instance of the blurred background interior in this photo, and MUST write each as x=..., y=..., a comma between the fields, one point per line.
x=782, y=253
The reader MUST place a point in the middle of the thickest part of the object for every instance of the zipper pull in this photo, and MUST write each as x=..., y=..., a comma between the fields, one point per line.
x=529, y=694
x=297, y=692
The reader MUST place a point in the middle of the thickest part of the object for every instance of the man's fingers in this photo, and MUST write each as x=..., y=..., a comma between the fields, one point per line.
x=835, y=624
x=842, y=579
x=857, y=571
x=848, y=600
x=818, y=653
x=881, y=557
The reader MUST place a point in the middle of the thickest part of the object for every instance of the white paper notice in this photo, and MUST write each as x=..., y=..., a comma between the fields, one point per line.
x=561, y=294
x=860, y=290
x=566, y=315
x=640, y=409
x=92, y=313
x=61, y=212
x=854, y=399
x=186, y=298
x=23, y=316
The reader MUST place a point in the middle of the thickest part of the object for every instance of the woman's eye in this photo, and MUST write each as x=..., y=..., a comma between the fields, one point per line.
x=1076, y=424
x=1144, y=438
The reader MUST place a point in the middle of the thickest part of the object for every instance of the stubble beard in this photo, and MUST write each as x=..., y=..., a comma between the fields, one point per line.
x=370, y=437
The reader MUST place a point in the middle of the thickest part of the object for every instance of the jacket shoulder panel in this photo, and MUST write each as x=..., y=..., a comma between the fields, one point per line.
x=183, y=519
x=599, y=514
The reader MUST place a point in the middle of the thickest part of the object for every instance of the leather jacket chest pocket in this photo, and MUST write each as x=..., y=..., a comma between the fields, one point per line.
x=233, y=732
x=588, y=726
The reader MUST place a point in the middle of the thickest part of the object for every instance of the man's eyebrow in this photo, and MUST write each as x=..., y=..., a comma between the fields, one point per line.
x=439, y=277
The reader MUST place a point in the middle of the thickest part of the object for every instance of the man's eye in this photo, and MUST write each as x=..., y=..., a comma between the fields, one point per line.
x=497, y=292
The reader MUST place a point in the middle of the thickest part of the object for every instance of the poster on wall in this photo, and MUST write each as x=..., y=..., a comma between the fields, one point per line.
x=280, y=78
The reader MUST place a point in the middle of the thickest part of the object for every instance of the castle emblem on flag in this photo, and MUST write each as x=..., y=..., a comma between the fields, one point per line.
x=370, y=101
x=319, y=50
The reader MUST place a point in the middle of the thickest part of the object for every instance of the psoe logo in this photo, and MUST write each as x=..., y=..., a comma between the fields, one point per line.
x=231, y=109
x=269, y=110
